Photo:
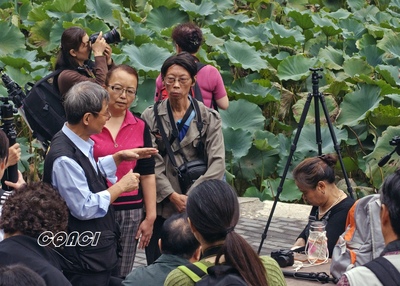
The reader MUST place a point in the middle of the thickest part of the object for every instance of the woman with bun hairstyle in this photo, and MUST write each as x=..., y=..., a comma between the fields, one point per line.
x=188, y=37
x=213, y=212
x=315, y=177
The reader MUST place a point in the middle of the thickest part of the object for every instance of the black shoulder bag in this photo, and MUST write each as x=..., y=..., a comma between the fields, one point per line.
x=189, y=171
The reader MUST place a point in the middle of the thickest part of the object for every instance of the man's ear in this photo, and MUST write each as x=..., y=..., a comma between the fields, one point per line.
x=385, y=219
x=194, y=80
x=85, y=118
x=196, y=255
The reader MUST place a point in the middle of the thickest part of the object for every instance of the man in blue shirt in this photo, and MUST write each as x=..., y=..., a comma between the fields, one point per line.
x=70, y=167
x=178, y=247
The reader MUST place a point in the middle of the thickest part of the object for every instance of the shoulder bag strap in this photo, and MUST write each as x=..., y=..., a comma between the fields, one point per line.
x=384, y=270
x=164, y=136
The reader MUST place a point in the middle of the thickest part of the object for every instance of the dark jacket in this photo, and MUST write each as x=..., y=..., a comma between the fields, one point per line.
x=26, y=250
x=103, y=256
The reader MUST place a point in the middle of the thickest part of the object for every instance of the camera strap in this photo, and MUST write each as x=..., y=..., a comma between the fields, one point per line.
x=164, y=137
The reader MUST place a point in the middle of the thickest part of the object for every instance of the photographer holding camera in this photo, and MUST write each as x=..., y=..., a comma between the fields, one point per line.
x=74, y=57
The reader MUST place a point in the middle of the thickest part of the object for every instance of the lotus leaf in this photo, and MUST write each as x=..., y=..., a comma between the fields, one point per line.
x=357, y=105
x=295, y=68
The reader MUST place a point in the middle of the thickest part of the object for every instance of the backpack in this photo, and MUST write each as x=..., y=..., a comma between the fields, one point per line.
x=384, y=270
x=217, y=275
x=362, y=241
x=43, y=108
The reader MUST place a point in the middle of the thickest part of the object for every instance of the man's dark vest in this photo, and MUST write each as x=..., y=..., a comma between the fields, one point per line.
x=102, y=256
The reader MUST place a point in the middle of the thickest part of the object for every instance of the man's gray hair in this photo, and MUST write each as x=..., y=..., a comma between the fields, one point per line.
x=82, y=98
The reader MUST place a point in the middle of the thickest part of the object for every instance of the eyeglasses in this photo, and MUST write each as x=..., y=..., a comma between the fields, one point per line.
x=120, y=90
x=172, y=80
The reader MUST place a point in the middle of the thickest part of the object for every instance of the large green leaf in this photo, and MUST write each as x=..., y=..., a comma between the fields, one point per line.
x=302, y=19
x=237, y=141
x=163, y=18
x=295, y=68
x=205, y=8
x=307, y=143
x=147, y=58
x=357, y=105
x=356, y=5
x=382, y=148
x=282, y=36
x=243, y=55
x=326, y=25
x=390, y=44
x=145, y=96
x=289, y=192
x=253, y=192
x=253, y=34
x=11, y=39
x=253, y=92
x=352, y=28
x=299, y=108
x=267, y=142
x=357, y=66
x=242, y=114
x=64, y=6
x=385, y=115
x=257, y=164
x=389, y=73
x=373, y=54
x=103, y=9
x=332, y=58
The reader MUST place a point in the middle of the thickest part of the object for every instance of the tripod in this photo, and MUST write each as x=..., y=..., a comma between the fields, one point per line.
x=318, y=98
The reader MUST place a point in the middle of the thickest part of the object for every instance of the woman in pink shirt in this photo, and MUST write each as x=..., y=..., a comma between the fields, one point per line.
x=188, y=37
x=126, y=131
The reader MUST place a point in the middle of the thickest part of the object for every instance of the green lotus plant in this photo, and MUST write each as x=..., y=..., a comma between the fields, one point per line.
x=264, y=50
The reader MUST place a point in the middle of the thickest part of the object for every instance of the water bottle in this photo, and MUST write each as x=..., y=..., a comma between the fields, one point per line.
x=317, y=243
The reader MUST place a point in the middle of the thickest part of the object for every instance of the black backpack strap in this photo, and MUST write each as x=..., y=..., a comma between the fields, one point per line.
x=194, y=271
x=384, y=270
x=196, y=90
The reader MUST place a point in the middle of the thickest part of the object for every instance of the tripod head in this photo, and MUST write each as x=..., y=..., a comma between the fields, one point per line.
x=394, y=142
x=315, y=77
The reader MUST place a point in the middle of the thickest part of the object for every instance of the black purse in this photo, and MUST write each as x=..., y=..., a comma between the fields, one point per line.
x=189, y=171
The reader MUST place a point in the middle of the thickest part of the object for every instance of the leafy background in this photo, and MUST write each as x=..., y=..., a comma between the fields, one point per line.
x=264, y=50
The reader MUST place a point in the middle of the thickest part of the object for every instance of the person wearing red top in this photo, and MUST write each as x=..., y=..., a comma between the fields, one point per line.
x=126, y=131
x=188, y=37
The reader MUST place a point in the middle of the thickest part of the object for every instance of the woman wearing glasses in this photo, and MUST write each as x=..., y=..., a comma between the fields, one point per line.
x=125, y=131
x=74, y=59
x=185, y=130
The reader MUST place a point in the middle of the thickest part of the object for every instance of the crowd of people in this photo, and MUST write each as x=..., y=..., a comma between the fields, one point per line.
x=114, y=182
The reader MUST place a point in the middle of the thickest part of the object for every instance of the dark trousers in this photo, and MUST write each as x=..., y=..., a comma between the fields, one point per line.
x=152, y=250
x=89, y=279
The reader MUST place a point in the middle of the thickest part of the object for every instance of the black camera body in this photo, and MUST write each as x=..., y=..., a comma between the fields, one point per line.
x=111, y=37
x=283, y=257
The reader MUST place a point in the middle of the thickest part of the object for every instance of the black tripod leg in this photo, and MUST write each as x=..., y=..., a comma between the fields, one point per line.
x=318, y=136
x=285, y=171
x=335, y=143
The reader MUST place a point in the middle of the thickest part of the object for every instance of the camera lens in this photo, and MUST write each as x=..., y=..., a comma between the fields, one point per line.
x=111, y=37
